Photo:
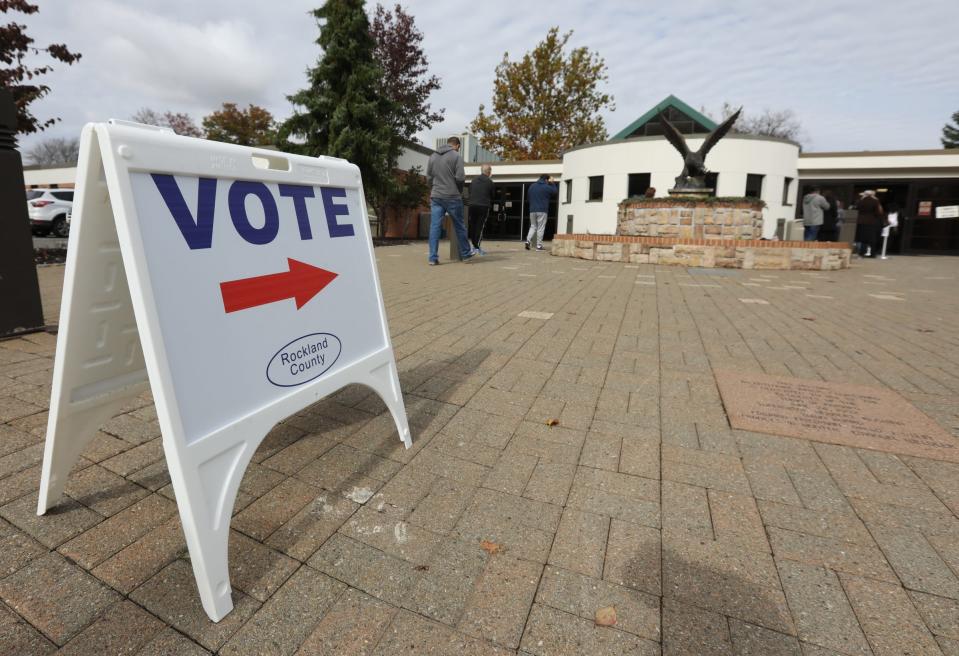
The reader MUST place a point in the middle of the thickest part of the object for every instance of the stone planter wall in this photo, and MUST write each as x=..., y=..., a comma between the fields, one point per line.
x=690, y=219
x=711, y=253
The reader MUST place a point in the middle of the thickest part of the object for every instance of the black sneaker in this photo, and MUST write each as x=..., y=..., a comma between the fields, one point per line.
x=434, y=263
x=527, y=245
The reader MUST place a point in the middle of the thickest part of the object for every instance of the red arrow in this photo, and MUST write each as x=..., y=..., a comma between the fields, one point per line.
x=302, y=282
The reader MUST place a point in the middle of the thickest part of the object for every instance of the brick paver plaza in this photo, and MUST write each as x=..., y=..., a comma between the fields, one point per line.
x=499, y=534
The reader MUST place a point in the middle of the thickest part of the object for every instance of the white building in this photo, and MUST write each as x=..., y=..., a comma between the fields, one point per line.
x=595, y=178
x=56, y=177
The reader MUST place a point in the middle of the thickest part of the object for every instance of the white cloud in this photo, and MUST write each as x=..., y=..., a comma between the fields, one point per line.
x=859, y=74
x=177, y=63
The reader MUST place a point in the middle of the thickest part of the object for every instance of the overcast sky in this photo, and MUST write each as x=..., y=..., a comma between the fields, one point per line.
x=870, y=75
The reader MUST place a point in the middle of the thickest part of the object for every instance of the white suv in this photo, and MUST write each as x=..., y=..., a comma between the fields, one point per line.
x=49, y=209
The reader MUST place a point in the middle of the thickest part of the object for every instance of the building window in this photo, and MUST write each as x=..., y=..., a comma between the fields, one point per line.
x=786, y=183
x=638, y=184
x=595, y=187
x=569, y=191
x=754, y=185
x=712, y=182
x=569, y=224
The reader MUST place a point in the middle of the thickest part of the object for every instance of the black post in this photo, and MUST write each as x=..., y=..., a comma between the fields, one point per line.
x=20, y=308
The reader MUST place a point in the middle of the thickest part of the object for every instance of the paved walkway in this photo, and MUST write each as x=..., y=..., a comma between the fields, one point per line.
x=499, y=534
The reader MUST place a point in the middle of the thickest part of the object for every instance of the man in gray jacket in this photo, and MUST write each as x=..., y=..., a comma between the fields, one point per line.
x=813, y=205
x=446, y=177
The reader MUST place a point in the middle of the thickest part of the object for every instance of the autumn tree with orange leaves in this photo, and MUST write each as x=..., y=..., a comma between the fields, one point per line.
x=253, y=126
x=545, y=103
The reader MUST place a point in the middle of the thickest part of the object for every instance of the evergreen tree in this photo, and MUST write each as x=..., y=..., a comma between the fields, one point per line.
x=950, y=133
x=341, y=112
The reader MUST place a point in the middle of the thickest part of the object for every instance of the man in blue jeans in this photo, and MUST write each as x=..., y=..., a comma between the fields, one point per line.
x=446, y=177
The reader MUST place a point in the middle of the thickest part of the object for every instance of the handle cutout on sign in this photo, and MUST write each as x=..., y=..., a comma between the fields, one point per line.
x=270, y=162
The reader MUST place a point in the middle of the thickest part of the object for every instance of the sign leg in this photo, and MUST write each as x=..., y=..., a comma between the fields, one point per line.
x=205, y=496
x=62, y=453
x=385, y=381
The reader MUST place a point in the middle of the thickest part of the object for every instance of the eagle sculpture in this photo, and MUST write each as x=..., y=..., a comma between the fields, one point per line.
x=693, y=177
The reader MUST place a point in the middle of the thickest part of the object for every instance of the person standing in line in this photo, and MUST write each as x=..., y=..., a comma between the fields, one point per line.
x=481, y=198
x=813, y=205
x=830, y=218
x=446, y=176
x=869, y=224
x=540, y=193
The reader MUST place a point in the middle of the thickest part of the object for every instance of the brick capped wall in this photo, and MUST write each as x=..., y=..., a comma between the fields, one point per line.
x=711, y=253
x=690, y=219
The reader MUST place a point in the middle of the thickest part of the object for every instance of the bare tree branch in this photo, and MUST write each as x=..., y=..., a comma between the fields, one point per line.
x=53, y=152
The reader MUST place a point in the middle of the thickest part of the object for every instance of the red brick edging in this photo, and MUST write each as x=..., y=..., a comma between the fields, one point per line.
x=721, y=243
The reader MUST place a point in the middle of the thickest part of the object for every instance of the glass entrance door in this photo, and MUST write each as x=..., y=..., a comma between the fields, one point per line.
x=506, y=215
x=509, y=216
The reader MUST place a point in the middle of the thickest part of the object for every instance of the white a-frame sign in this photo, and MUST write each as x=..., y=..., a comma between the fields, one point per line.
x=238, y=284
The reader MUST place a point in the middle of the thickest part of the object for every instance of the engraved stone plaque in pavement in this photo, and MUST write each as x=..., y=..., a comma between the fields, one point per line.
x=837, y=413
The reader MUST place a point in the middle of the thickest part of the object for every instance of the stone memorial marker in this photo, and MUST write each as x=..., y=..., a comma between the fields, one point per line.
x=836, y=413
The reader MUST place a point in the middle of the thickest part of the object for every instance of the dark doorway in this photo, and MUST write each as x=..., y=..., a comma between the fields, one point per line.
x=507, y=211
x=920, y=231
x=509, y=216
x=928, y=232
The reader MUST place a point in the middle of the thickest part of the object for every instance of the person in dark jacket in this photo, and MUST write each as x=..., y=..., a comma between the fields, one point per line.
x=869, y=224
x=540, y=193
x=829, y=231
x=446, y=176
x=481, y=198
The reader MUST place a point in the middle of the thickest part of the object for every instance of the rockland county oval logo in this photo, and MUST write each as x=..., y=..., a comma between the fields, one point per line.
x=304, y=359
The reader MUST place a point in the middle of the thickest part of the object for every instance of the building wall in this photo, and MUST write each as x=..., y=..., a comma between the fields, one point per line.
x=470, y=149
x=518, y=171
x=897, y=165
x=410, y=157
x=732, y=158
x=63, y=177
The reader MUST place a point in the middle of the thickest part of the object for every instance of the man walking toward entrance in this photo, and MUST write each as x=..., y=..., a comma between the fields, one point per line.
x=481, y=197
x=540, y=192
x=446, y=176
